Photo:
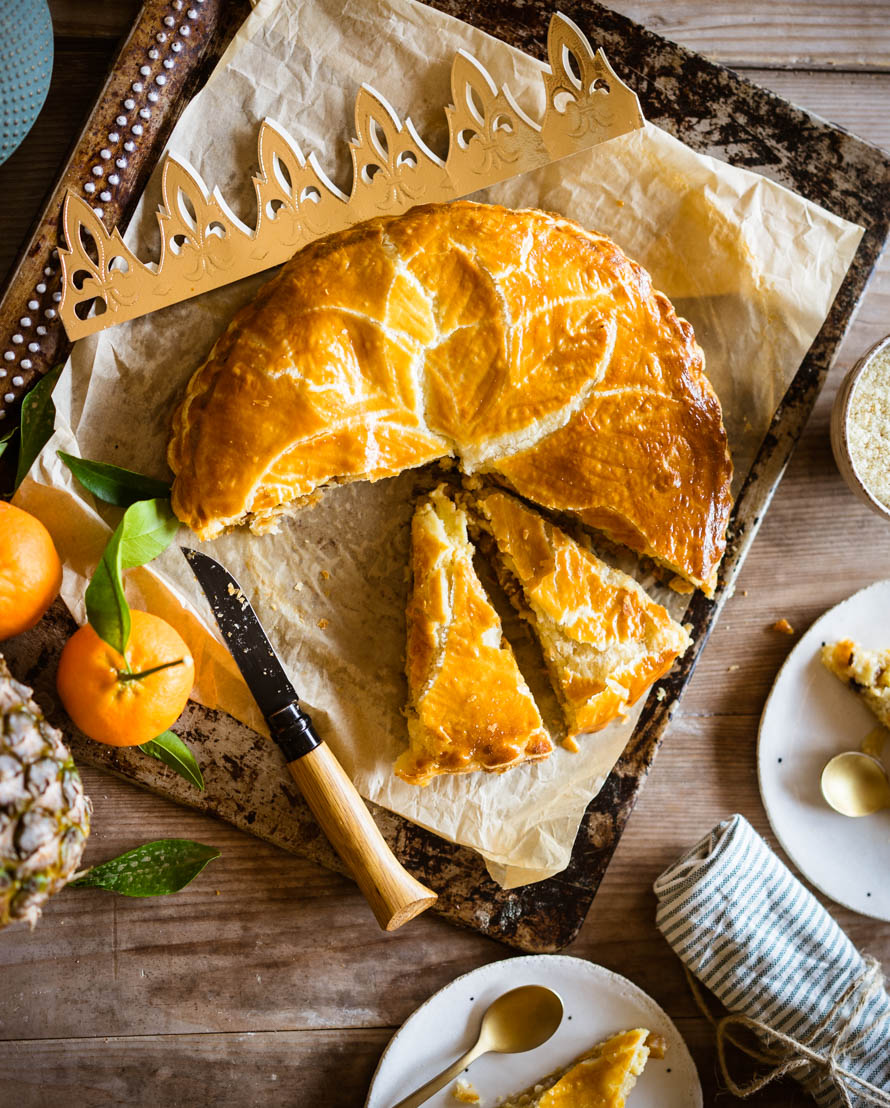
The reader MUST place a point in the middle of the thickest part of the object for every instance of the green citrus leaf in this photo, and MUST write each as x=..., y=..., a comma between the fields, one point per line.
x=6, y=439
x=146, y=531
x=113, y=484
x=107, y=608
x=38, y=417
x=173, y=752
x=149, y=526
x=153, y=869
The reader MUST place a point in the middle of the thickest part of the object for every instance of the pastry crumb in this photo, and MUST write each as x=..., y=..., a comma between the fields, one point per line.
x=660, y=693
x=782, y=625
x=322, y=624
x=732, y=668
x=569, y=743
x=325, y=576
x=298, y=587
x=657, y=1045
x=464, y=1092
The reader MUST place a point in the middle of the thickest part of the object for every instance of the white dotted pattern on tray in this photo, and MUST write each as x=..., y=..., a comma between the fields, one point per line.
x=113, y=156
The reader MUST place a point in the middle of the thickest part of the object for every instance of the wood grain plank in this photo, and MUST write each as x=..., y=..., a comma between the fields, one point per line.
x=264, y=939
x=855, y=101
x=97, y=19
x=799, y=34
x=224, y=1071
x=330, y=1068
x=141, y=952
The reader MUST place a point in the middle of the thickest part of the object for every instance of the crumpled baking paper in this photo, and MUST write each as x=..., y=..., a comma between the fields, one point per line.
x=753, y=266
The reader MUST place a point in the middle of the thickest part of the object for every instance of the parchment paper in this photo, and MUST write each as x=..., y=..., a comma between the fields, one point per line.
x=751, y=265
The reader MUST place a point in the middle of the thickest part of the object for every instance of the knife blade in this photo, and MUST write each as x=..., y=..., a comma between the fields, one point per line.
x=244, y=634
x=260, y=667
x=393, y=894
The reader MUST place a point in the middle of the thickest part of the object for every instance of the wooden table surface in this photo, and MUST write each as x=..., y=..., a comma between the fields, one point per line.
x=266, y=982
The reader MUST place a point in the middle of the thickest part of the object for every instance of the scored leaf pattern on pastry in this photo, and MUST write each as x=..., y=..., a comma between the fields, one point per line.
x=645, y=458
x=517, y=341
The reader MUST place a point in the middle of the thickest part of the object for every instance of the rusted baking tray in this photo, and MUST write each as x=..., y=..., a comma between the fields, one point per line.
x=710, y=108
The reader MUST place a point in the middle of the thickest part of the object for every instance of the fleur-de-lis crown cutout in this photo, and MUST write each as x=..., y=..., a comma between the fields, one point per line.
x=205, y=245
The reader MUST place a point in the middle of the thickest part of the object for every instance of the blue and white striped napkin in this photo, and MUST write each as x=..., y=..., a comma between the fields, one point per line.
x=750, y=932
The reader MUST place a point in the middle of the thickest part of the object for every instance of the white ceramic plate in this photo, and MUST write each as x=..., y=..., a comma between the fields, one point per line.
x=809, y=717
x=597, y=1003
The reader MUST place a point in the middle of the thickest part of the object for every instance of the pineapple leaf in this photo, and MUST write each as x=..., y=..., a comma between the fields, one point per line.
x=107, y=608
x=154, y=869
x=173, y=752
x=38, y=417
x=113, y=484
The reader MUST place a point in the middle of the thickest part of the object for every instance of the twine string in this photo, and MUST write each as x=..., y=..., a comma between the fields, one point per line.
x=787, y=1055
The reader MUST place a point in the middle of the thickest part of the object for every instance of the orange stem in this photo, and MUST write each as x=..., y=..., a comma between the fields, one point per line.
x=148, y=672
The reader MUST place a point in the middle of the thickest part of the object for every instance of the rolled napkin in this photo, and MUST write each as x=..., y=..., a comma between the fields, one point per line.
x=749, y=931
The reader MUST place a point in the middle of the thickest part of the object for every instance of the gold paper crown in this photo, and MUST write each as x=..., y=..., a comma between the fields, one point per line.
x=205, y=245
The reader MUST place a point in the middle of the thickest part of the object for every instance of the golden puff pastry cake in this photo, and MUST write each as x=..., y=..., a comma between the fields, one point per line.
x=602, y=1078
x=866, y=672
x=516, y=341
x=604, y=640
x=469, y=707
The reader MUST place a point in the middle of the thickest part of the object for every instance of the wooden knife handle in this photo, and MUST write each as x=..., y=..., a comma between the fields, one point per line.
x=394, y=895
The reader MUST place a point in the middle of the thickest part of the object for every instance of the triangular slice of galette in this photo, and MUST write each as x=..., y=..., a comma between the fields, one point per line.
x=604, y=640
x=469, y=708
x=602, y=1078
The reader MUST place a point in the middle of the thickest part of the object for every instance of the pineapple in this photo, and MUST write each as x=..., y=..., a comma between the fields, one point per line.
x=44, y=815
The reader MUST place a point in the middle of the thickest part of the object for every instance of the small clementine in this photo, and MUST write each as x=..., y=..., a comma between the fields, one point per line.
x=30, y=570
x=126, y=702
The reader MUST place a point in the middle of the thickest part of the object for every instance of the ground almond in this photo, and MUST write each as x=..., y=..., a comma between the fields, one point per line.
x=868, y=427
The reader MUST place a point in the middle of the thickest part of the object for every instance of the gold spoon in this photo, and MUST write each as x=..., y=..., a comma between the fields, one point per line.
x=856, y=784
x=517, y=1021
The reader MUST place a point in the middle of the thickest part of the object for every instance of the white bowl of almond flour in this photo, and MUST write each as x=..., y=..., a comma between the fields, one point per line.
x=860, y=428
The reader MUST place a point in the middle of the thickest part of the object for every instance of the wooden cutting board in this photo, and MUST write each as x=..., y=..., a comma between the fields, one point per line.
x=711, y=109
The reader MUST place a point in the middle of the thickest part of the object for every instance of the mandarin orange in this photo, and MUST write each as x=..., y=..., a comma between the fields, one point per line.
x=30, y=570
x=126, y=701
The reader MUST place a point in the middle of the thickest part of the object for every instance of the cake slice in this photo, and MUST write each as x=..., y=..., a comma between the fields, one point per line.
x=602, y=1078
x=866, y=672
x=469, y=708
x=604, y=640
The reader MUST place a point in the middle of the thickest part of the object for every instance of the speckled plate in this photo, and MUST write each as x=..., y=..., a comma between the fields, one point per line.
x=809, y=717
x=598, y=1003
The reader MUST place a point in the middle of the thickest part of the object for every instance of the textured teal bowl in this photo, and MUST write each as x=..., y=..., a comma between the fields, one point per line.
x=26, y=63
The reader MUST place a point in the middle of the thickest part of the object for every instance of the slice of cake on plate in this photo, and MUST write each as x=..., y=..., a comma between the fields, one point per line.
x=866, y=672
x=469, y=708
x=604, y=640
x=602, y=1078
